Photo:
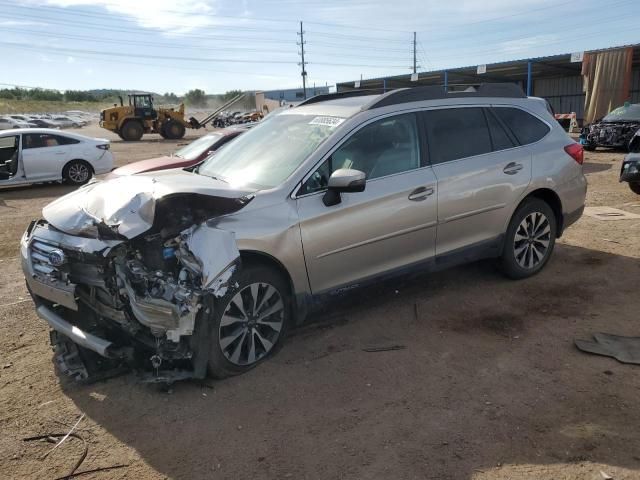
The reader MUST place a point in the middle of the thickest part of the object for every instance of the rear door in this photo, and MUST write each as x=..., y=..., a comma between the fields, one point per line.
x=481, y=172
x=388, y=226
x=44, y=156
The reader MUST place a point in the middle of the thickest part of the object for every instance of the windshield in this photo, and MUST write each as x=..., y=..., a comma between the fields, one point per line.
x=268, y=153
x=198, y=147
x=627, y=113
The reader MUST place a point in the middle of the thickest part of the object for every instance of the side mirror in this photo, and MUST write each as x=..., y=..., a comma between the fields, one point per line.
x=341, y=181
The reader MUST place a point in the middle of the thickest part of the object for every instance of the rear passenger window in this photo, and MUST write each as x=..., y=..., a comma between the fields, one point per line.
x=65, y=140
x=455, y=133
x=499, y=137
x=526, y=128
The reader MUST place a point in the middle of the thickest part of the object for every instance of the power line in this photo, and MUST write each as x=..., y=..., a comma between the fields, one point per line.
x=71, y=51
x=39, y=34
x=97, y=26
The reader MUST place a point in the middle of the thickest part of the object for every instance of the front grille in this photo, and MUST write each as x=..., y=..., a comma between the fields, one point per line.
x=40, y=253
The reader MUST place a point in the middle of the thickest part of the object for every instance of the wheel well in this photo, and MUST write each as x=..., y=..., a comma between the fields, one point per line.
x=127, y=120
x=261, y=258
x=552, y=199
x=78, y=160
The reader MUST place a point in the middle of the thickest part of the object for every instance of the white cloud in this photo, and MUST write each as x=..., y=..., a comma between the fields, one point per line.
x=157, y=14
x=523, y=44
x=20, y=23
x=71, y=60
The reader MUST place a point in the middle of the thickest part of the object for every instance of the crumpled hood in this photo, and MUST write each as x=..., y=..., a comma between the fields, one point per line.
x=126, y=206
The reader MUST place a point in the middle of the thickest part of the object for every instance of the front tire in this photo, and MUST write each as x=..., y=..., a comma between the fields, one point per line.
x=249, y=322
x=529, y=240
x=77, y=172
x=132, y=131
x=635, y=187
x=173, y=130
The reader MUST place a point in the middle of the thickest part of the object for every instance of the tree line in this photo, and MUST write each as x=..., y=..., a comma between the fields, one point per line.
x=194, y=98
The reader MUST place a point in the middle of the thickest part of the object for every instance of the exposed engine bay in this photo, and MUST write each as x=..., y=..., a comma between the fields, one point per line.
x=608, y=134
x=144, y=302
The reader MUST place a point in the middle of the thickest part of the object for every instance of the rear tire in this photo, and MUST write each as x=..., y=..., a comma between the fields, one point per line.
x=173, y=130
x=241, y=337
x=131, y=131
x=529, y=240
x=589, y=147
x=635, y=187
x=77, y=172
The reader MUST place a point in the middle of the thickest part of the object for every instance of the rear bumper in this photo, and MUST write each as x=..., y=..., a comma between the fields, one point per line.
x=572, y=217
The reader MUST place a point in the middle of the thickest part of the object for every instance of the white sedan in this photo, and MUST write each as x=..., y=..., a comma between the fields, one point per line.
x=7, y=123
x=43, y=154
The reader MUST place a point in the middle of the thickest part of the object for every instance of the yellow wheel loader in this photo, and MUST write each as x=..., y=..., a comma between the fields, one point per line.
x=132, y=121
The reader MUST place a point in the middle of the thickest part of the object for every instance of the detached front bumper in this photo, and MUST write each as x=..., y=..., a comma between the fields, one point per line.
x=98, y=345
x=42, y=252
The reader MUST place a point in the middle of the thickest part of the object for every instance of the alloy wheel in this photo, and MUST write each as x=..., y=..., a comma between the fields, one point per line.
x=531, y=240
x=79, y=173
x=251, y=323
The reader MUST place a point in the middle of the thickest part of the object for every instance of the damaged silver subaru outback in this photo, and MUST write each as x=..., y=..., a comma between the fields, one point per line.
x=181, y=273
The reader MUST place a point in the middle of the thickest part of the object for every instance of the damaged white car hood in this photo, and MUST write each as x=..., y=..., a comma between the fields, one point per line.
x=126, y=204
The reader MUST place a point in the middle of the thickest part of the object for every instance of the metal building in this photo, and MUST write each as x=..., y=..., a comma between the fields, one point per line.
x=558, y=78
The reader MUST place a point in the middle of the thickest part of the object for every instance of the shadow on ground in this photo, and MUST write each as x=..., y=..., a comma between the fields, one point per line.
x=592, y=167
x=39, y=190
x=488, y=376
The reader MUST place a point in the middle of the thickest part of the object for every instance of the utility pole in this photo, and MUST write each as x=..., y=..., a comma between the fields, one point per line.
x=303, y=64
x=414, y=52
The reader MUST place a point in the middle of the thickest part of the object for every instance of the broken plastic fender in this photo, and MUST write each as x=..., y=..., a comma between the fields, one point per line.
x=216, y=253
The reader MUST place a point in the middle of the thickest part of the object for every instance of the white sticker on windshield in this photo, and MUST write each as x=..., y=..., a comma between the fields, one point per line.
x=331, y=122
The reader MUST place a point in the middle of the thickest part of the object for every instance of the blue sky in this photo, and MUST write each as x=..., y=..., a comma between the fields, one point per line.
x=219, y=45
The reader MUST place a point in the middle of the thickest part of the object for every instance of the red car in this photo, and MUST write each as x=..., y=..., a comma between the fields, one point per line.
x=187, y=156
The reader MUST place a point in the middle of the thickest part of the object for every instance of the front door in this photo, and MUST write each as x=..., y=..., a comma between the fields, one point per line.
x=43, y=156
x=388, y=226
x=9, y=158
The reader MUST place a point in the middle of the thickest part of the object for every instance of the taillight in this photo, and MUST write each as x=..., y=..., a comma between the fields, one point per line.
x=104, y=146
x=575, y=151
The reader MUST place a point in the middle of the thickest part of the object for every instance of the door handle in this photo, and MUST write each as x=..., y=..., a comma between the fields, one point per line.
x=512, y=168
x=420, y=193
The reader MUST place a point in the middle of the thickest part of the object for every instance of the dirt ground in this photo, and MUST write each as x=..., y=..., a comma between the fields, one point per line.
x=488, y=387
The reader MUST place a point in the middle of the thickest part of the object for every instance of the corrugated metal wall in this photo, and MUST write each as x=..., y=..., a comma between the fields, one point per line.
x=635, y=85
x=563, y=93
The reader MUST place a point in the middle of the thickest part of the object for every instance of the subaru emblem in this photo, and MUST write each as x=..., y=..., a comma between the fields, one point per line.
x=56, y=257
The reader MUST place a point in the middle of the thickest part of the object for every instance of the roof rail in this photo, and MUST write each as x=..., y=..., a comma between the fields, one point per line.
x=323, y=97
x=438, y=92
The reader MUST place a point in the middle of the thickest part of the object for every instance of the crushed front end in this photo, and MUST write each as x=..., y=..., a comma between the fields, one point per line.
x=144, y=302
x=608, y=134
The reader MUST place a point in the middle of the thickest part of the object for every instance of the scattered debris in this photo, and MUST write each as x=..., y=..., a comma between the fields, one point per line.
x=605, y=475
x=50, y=437
x=623, y=349
x=611, y=241
x=384, y=349
x=7, y=365
x=64, y=438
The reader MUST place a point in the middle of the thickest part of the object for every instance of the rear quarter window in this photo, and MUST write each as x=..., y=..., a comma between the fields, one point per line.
x=525, y=127
x=65, y=140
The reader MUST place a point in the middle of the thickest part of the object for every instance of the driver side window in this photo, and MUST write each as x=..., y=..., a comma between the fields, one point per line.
x=382, y=148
